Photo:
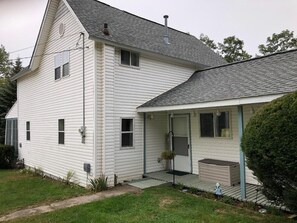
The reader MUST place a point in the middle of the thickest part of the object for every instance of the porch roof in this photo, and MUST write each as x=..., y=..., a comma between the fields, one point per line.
x=257, y=80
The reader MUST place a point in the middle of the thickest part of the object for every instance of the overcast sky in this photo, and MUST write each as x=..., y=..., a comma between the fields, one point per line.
x=250, y=20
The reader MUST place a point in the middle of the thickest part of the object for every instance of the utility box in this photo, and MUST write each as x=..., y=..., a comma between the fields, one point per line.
x=87, y=167
x=219, y=171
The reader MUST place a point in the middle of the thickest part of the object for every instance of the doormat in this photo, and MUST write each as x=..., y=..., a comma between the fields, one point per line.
x=177, y=173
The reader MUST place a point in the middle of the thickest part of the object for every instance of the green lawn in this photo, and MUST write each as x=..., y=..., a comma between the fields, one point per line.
x=159, y=204
x=20, y=190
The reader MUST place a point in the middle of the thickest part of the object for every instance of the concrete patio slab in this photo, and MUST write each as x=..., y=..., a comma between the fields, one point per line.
x=146, y=183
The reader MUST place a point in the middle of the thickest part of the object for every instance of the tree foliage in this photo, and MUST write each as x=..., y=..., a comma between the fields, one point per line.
x=208, y=42
x=8, y=88
x=232, y=49
x=5, y=63
x=278, y=42
x=270, y=144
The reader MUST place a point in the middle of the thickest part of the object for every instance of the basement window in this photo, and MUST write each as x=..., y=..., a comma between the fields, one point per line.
x=215, y=124
x=129, y=58
x=127, y=133
x=61, y=131
x=62, y=65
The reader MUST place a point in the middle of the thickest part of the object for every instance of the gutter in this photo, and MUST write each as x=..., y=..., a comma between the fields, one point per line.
x=223, y=103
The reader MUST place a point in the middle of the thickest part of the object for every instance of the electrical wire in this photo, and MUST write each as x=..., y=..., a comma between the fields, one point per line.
x=43, y=43
x=51, y=53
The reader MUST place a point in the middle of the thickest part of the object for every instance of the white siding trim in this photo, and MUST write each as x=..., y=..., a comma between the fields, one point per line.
x=232, y=102
x=95, y=112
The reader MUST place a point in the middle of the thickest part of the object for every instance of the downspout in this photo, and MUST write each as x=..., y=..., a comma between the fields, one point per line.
x=144, y=143
x=172, y=145
x=82, y=129
x=242, y=155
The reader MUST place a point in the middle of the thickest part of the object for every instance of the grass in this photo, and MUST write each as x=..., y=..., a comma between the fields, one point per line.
x=159, y=204
x=19, y=190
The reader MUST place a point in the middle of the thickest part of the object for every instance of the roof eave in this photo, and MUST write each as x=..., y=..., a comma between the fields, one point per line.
x=212, y=104
x=20, y=74
x=116, y=44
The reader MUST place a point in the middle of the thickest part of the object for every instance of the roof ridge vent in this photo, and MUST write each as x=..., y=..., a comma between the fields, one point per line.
x=166, y=36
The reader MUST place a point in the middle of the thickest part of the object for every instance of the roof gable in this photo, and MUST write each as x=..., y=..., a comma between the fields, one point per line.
x=133, y=31
x=262, y=76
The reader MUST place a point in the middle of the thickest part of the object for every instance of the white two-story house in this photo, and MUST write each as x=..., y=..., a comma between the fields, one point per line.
x=92, y=66
x=105, y=90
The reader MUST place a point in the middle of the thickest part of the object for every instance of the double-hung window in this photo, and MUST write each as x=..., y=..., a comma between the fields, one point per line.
x=129, y=58
x=215, y=124
x=28, y=134
x=127, y=132
x=61, y=131
x=62, y=64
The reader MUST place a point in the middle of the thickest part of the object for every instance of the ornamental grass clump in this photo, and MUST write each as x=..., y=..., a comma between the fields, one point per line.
x=99, y=184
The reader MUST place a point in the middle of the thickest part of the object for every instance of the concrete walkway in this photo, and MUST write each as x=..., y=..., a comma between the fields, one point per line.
x=70, y=202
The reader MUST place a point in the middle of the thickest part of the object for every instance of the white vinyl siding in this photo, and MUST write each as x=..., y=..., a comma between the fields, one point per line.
x=221, y=148
x=44, y=101
x=132, y=88
x=156, y=138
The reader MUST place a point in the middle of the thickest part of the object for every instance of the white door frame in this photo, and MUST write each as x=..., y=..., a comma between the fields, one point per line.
x=187, y=115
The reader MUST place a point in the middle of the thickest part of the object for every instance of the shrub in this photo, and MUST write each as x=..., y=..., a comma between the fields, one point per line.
x=99, y=184
x=6, y=156
x=270, y=144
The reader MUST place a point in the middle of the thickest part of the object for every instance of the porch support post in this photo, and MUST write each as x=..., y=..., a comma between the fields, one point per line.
x=242, y=155
x=144, y=143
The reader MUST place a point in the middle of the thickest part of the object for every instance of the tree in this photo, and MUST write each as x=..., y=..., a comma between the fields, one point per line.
x=208, y=42
x=5, y=63
x=232, y=49
x=270, y=144
x=278, y=42
x=8, y=88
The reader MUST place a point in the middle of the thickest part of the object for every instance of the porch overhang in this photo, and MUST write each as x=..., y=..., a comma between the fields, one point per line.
x=223, y=103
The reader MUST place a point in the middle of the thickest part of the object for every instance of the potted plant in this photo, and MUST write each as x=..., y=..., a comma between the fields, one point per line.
x=168, y=155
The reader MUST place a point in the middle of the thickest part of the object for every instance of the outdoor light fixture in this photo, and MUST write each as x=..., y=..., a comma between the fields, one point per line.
x=218, y=113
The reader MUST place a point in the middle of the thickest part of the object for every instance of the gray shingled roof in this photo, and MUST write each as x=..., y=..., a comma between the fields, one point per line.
x=130, y=30
x=262, y=76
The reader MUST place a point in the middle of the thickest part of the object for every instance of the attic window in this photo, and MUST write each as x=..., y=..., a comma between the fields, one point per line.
x=62, y=65
x=129, y=58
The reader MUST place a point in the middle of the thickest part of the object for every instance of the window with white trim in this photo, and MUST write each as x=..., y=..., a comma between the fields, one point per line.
x=129, y=58
x=62, y=64
x=126, y=132
x=215, y=124
x=28, y=133
x=61, y=131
